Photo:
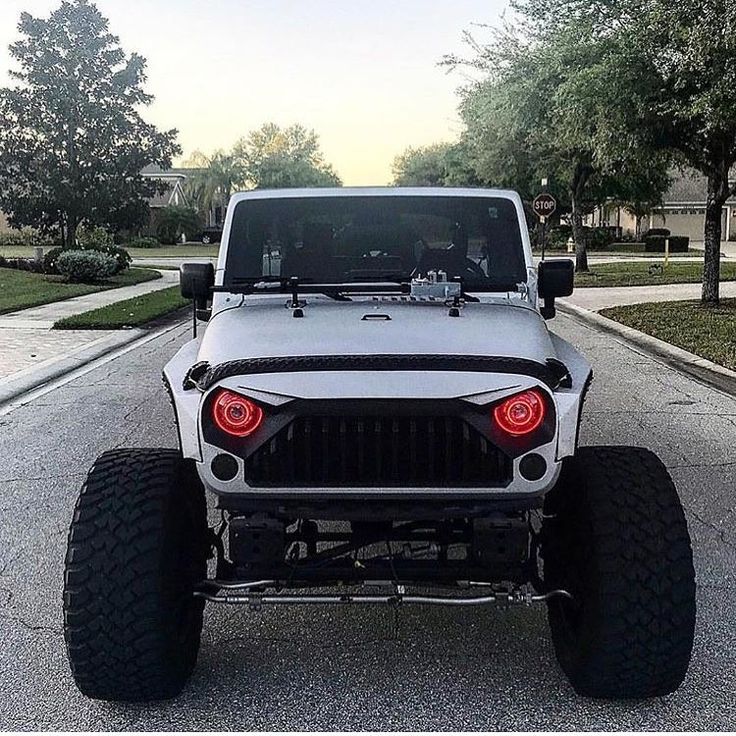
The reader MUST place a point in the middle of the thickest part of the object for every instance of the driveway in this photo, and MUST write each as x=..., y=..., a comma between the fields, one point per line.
x=351, y=668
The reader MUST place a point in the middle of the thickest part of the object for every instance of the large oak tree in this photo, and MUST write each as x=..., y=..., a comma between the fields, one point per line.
x=672, y=67
x=540, y=109
x=72, y=140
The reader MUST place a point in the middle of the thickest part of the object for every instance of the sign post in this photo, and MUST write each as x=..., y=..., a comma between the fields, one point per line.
x=544, y=206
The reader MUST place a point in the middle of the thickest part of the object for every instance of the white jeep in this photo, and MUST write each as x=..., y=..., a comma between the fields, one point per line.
x=380, y=414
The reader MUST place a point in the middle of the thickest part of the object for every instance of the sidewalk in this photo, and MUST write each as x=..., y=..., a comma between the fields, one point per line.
x=32, y=353
x=44, y=317
x=595, y=299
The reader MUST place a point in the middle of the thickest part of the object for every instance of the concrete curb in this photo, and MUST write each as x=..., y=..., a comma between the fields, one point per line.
x=31, y=378
x=693, y=365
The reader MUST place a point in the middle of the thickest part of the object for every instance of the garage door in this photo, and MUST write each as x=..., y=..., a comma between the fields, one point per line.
x=690, y=223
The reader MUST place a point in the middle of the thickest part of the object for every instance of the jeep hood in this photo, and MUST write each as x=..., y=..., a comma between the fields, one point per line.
x=267, y=329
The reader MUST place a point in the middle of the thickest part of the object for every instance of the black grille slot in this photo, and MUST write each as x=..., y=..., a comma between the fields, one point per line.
x=378, y=452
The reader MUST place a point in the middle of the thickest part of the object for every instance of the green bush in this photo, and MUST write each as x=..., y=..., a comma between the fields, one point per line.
x=120, y=255
x=599, y=238
x=85, y=266
x=95, y=238
x=25, y=236
x=144, y=243
x=175, y=222
x=662, y=232
x=654, y=243
x=679, y=244
x=22, y=264
x=50, y=258
x=558, y=237
x=13, y=237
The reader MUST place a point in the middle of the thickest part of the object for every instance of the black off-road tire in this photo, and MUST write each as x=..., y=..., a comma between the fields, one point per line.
x=137, y=546
x=616, y=538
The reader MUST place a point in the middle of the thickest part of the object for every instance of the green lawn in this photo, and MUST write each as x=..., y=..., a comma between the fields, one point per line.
x=640, y=254
x=709, y=332
x=165, y=251
x=128, y=313
x=22, y=289
x=620, y=250
x=638, y=274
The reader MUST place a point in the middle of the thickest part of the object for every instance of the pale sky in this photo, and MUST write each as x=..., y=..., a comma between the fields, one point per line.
x=363, y=74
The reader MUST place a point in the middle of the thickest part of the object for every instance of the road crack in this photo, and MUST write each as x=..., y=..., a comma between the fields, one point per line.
x=720, y=533
x=29, y=626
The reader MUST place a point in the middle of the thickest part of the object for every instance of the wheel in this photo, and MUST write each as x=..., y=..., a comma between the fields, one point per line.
x=206, y=240
x=616, y=538
x=137, y=546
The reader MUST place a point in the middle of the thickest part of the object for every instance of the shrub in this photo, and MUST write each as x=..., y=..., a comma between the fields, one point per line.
x=25, y=236
x=654, y=243
x=679, y=244
x=144, y=243
x=23, y=264
x=94, y=238
x=50, y=258
x=558, y=237
x=120, y=255
x=176, y=221
x=85, y=266
x=599, y=238
x=658, y=232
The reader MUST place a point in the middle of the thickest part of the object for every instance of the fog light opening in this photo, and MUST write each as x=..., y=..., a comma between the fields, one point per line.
x=533, y=467
x=224, y=467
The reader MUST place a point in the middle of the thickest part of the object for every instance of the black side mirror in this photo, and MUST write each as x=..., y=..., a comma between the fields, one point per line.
x=554, y=279
x=196, y=281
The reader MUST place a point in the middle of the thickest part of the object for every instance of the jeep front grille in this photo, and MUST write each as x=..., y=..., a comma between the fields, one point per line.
x=377, y=452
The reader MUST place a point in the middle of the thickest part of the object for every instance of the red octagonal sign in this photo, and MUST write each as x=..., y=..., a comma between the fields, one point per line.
x=545, y=205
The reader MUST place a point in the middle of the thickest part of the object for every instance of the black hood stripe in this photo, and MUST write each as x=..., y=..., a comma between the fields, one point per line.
x=552, y=373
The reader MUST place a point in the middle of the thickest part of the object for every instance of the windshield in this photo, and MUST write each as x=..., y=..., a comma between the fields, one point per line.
x=377, y=238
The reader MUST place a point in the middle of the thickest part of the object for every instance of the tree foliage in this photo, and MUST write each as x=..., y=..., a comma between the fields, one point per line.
x=214, y=180
x=270, y=157
x=541, y=109
x=175, y=221
x=674, y=65
x=438, y=165
x=72, y=141
x=273, y=157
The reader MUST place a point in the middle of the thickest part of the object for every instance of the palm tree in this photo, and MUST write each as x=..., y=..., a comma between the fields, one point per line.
x=214, y=181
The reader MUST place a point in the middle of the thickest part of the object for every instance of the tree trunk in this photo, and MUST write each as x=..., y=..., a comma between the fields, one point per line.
x=718, y=192
x=70, y=237
x=578, y=235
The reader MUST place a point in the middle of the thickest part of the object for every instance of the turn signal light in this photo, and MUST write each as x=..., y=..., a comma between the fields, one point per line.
x=521, y=414
x=235, y=415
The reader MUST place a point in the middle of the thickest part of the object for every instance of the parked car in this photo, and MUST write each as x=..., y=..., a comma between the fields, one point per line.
x=387, y=410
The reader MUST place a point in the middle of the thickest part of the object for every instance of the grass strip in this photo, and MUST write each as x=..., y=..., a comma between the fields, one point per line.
x=186, y=250
x=23, y=289
x=128, y=313
x=647, y=274
x=709, y=332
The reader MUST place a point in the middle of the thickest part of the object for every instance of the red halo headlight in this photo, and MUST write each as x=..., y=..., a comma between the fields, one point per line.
x=236, y=415
x=521, y=414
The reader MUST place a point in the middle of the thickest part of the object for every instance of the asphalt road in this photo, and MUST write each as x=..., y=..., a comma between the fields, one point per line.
x=352, y=668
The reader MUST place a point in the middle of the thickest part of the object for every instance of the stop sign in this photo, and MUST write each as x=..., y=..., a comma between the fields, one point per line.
x=544, y=205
